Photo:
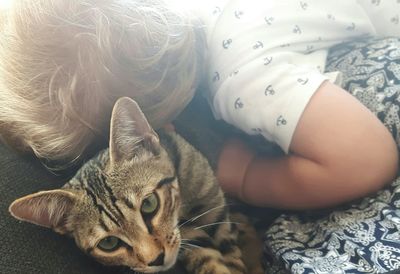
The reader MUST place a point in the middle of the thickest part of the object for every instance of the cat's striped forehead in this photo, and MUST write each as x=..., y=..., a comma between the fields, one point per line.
x=137, y=175
x=128, y=183
x=114, y=195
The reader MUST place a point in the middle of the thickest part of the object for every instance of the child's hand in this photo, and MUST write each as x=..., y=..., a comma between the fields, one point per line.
x=232, y=166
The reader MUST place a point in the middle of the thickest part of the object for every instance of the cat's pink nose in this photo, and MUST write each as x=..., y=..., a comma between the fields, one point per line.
x=159, y=261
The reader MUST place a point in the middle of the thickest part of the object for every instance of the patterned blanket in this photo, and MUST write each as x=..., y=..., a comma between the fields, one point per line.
x=363, y=236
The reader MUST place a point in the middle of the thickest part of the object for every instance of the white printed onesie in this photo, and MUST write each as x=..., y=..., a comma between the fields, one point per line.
x=267, y=57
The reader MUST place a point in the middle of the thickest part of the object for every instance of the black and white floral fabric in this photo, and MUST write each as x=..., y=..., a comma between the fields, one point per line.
x=362, y=237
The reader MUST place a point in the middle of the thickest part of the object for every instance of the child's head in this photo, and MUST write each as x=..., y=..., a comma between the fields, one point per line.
x=64, y=63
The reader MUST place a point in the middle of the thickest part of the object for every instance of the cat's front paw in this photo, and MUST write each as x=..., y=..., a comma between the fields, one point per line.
x=210, y=261
x=213, y=268
x=219, y=267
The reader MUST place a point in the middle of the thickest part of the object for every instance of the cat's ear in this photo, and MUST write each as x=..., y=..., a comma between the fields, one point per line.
x=130, y=133
x=46, y=208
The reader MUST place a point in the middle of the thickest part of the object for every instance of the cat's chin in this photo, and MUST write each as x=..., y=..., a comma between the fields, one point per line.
x=155, y=269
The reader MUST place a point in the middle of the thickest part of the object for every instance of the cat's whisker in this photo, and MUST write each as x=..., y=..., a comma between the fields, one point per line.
x=185, y=248
x=202, y=214
x=216, y=223
x=191, y=245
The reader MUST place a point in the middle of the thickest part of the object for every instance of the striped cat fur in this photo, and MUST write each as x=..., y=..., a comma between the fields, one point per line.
x=147, y=201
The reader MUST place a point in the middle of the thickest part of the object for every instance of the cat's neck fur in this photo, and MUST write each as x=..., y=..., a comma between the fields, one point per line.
x=197, y=181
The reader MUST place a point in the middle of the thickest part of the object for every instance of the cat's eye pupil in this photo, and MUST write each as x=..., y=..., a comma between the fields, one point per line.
x=150, y=204
x=109, y=244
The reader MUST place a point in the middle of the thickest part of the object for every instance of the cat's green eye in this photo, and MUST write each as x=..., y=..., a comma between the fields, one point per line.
x=109, y=244
x=150, y=204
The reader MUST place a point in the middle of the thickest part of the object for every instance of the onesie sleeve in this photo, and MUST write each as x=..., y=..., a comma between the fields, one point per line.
x=269, y=101
x=384, y=16
x=267, y=60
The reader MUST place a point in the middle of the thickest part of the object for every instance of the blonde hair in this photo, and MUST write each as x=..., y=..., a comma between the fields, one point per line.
x=63, y=64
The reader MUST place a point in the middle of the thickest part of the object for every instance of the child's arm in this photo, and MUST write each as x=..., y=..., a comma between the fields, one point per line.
x=339, y=151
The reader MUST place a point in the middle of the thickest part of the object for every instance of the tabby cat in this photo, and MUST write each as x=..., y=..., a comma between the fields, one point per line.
x=141, y=203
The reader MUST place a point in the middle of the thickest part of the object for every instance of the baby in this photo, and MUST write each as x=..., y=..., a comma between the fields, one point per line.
x=64, y=63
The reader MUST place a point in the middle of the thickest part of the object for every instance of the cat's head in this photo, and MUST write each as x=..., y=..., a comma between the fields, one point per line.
x=122, y=207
